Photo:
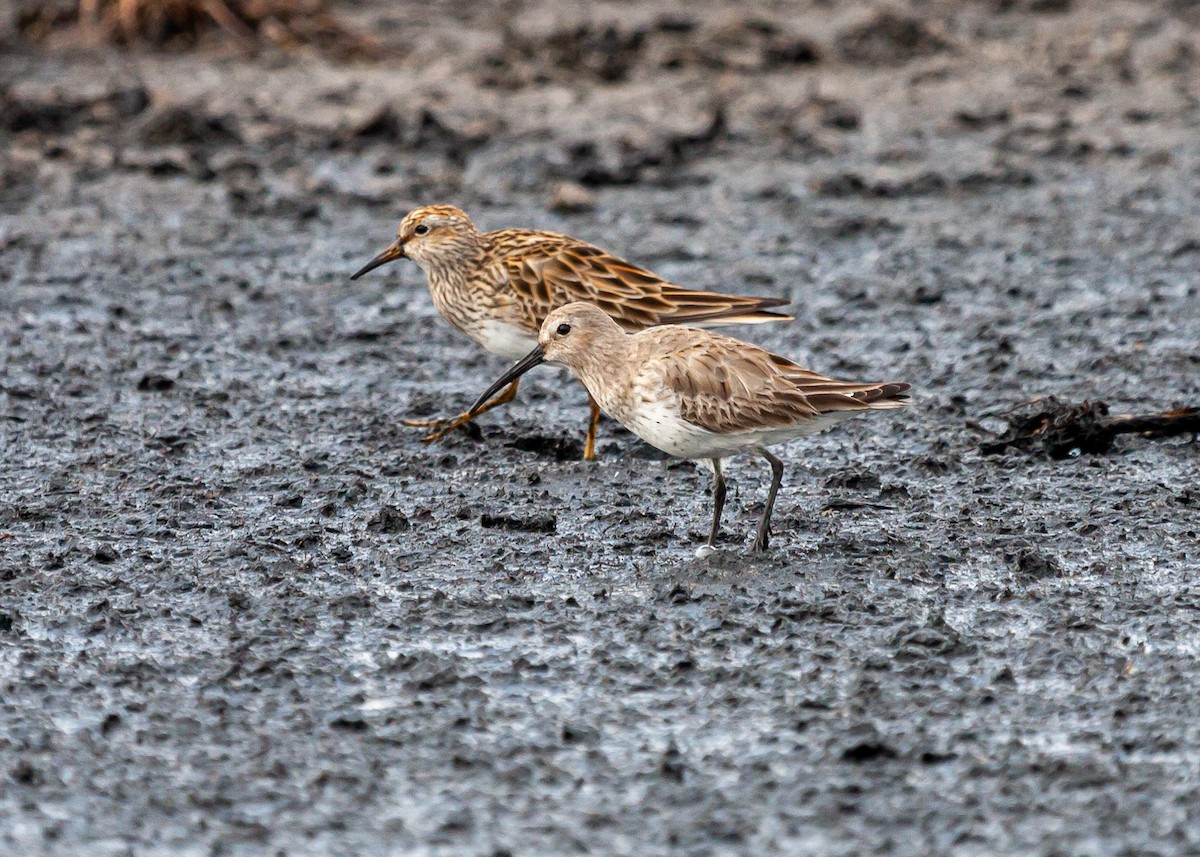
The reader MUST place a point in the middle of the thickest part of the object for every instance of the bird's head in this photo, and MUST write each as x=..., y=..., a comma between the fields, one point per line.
x=433, y=236
x=573, y=334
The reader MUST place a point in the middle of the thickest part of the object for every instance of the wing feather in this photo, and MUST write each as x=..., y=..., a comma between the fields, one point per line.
x=728, y=386
x=546, y=270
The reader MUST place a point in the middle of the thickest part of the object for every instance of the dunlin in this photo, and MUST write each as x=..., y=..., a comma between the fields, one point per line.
x=497, y=287
x=698, y=395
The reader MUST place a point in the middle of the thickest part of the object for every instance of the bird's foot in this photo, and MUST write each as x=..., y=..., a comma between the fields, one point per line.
x=441, y=427
x=438, y=423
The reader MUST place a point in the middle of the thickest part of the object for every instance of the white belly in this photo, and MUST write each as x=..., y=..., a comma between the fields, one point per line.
x=659, y=424
x=507, y=340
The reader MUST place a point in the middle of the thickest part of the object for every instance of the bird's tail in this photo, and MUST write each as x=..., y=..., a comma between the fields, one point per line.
x=827, y=395
x=729, y=310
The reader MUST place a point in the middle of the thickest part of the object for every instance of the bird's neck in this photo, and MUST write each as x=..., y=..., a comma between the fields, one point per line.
x=454, y=280
x=601, y=369
x=454, y=266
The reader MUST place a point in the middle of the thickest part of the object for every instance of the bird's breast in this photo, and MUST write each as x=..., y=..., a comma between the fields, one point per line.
x=510, y=341
x=657, y=421
x=640, y=402
x=493, y=324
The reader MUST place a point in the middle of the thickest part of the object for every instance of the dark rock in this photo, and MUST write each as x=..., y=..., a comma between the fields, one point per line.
x=535, y=523
x=389, y=520
x=891, y=38
x=187, y=125
x=1031, y=563
x=105, y=554
x=59, y=111
x=864, y=745
x=154, y=382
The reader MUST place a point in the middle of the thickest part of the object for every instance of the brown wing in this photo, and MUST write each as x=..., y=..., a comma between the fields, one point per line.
x=816, y=387
x=547, y=270
x=727, y=386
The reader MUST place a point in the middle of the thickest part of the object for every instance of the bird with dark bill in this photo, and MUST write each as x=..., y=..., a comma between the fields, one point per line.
x=497, y=287
x=698, y=395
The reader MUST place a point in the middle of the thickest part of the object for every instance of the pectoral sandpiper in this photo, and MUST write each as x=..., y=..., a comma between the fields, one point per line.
x=497, y=287
x=696, y=394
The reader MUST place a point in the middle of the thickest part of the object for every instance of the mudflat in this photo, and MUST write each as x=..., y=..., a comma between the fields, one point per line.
x=243, y=611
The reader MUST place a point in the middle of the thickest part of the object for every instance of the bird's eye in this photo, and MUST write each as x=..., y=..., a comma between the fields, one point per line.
x=563, y=329
x=421, y=230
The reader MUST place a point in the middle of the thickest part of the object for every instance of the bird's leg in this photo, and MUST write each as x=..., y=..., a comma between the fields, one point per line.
x=589, y=443
x=445, y=426
x=718, y=494
x=763, y=536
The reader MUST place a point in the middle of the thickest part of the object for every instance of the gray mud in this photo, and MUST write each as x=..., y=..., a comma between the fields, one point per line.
x=244, y=611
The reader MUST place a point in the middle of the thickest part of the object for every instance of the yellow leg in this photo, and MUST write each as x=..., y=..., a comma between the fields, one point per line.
x=589, y=444
x=445, y=426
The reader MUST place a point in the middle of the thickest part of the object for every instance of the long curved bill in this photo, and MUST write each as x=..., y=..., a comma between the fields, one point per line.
x=393, y=252
x=533, y=358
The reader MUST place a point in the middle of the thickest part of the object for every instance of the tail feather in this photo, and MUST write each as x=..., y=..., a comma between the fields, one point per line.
x=892, y=394
x=838, y=396
x=729, y=310
x=761, y=317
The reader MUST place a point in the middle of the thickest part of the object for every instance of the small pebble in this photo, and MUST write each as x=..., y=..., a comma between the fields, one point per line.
x=571, y=198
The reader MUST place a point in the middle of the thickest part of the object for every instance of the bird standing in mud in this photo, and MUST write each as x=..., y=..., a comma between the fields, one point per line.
x=497, y=287
x=698, y=395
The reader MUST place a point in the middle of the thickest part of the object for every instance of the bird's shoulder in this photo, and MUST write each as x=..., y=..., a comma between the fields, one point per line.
x=518, y=244
x=549, y=270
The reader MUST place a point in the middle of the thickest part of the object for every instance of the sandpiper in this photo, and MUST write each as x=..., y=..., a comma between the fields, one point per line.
x=698, y=395
x=497, y=287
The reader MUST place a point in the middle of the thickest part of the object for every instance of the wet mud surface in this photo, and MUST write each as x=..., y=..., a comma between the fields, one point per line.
x=244, y=611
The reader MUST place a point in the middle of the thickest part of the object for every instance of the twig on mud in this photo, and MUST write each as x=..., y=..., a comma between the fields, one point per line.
x=1061, y=429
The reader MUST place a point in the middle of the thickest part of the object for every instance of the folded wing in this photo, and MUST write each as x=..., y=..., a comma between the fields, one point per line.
x=546, y=271
x=726, y=386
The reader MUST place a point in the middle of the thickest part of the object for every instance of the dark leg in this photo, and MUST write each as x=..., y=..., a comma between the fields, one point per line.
x=764, y=527
x=718, y=494
x=589, y=445
x=444, y=427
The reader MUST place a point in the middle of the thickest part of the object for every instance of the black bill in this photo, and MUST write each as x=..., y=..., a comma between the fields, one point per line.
x=533, y=358
x=395, y=251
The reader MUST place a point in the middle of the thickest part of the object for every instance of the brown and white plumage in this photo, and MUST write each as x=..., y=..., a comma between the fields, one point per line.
x=497, y=287
x=727, y=386
x=700, y=395
x=545, y=270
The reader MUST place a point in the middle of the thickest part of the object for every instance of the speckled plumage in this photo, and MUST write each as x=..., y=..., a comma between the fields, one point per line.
x=700, y=395
x=497, y=287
